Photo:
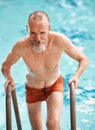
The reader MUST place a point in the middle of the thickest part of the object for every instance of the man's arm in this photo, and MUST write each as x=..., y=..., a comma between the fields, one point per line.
x=83, y=62
x=76, y=54
x=12, y=57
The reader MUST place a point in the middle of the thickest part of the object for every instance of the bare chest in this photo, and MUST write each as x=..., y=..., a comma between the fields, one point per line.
x=42, y=62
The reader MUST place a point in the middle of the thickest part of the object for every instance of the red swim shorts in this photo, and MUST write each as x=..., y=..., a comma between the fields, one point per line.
x=34, y=94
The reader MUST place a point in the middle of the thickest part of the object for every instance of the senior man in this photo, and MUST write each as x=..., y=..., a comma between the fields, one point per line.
x=41, y=50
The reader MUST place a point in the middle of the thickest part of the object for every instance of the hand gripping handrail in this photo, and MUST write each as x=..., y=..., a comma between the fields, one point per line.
x=8, y=109
x=72, y=107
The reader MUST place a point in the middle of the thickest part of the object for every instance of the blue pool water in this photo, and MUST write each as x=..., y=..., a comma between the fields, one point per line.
x=74, y=18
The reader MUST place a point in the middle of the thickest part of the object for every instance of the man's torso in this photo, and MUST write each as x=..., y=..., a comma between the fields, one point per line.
x=43, y=68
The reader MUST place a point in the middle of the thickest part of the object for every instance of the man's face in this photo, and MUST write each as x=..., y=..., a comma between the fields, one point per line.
x=38, y=32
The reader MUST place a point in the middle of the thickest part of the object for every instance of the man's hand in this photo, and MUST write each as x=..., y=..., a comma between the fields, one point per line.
x=73, y=79
x=7, y=82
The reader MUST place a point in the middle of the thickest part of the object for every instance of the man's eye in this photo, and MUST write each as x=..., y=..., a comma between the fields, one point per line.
x=32, y=33
x=42, y=33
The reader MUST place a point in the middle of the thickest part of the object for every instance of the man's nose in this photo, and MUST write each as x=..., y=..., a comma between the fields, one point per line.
x=37, y=37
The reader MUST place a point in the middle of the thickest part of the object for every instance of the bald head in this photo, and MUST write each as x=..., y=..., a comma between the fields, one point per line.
x=38, y=16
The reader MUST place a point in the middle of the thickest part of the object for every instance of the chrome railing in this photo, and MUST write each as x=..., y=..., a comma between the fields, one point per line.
x=72, y=107
x=15, y=104
x=12, y=94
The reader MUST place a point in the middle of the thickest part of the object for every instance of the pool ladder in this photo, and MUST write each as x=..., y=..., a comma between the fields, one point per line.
x=72, y=107
x=8, y=109
x=13, y=93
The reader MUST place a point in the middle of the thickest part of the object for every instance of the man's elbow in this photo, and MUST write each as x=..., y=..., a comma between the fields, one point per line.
x=3, y=67
x=86, y=61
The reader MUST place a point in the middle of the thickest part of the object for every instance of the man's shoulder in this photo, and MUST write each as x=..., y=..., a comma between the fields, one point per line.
x=22, y=41
x=60, y=40
x=20, y=44
x=53, y=33
x=57, y=35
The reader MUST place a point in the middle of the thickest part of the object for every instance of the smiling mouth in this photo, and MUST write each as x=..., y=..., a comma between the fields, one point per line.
x=39, y=46
x=38, y=42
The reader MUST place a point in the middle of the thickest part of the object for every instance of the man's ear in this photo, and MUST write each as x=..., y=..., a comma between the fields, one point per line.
x=27, y=28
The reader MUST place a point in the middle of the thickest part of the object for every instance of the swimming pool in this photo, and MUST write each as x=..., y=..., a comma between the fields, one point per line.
x=74, y=18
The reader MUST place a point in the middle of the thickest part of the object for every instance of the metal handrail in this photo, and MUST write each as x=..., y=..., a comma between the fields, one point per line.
x=8, y=109
x=72, y=107
x=15, y=104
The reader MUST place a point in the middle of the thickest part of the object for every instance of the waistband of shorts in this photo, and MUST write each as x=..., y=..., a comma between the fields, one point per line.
x=40, y=89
